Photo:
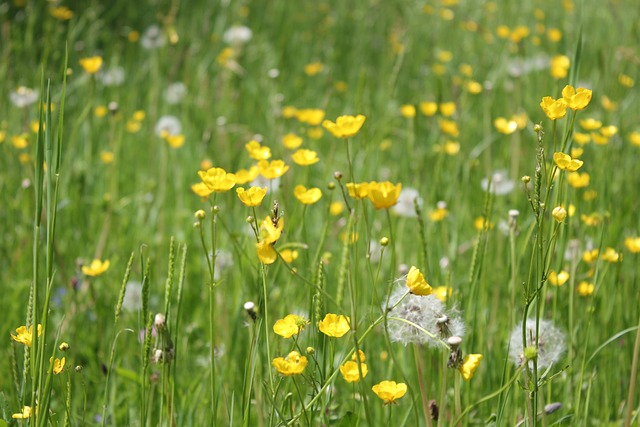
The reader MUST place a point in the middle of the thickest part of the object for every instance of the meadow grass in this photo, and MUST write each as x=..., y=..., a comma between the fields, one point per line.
x=167, y=304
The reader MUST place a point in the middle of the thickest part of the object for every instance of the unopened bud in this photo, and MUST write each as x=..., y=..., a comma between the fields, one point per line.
x=200, y=214
x=64, y=346
x=384, y=241
x=559, y=213
x=337, y=175
x=159, y=321
x=526, y=179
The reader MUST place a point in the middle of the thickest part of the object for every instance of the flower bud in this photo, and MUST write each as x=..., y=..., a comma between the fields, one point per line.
x=159, y=321
x=530, y=353
x=337, y=175
x=526, y=179
x=64, y=346
x=200, y=214
x=559, y=213
x=384, y=241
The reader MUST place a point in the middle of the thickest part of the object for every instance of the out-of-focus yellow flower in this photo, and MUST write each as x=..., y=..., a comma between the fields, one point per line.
x=632, y=244
x=291, y=325
x=448, y=109
x=519, y=33
x=345, y=126
x=449, y=127
x=389, y=391
x=609, y=131
x=558, y=279
x=273, y=169
x=590, y=124
x=133, y=36
x=576, y=152
x=225, y=57
x=100, y=111
x=208, y=164
x=359, y=190
x=138, y=115
x=310, y=116
x=307, y=196
x=576, y=99
x=291, y=141
x=336, y=208
x=578, y=180
x=408, y=111
x=174, y=141
x=3, y=135
x=554, y=108
x=58, y=365
x=610, y=255
x=351, y=373
x=585, y=289
x=133, y=126
x=313, y=68
x=243, y=175
x=251, y=197
x=439, y=213
x=626, y=81
x=589, y=195
x=599, y=139
x=469, y=365
x=428, y=108
x=24, y=414
x=581, y=138
x=451, y=148
x=96, y=268
x=481, y=223
x=304, y=157
x=61, y=13
x=25, y=336
x=341, y=86
x=503, y=31
x=466, y=70
x=590, y=256
x=505, y=126
x=554, y=35
x=20, y=141
x=417, y=284
x=293, y=364
x=257, y=151
x=106, y=157
x=565, y=162
x=334, y=325
x=201, y=190
x=217, y=179
x=442, y=292
x=315, y=133
x=383, y=194
x=608, y=104
x=92, y=64
x=474, y=87
x=560, y=66
x=634, y=138
x=289, y=112
x=289, y=255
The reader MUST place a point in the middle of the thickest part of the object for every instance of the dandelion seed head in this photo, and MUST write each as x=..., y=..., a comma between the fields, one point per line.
x=551, y=343
x=169, y=124
x=405, y=206
x=500, y=183
x=175, y=93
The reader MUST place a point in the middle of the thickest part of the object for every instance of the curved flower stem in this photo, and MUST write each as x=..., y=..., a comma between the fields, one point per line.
x=212, y=310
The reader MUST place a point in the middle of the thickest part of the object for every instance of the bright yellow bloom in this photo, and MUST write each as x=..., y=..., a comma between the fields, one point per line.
x=438, y=214
x=257, y=151
x=25, y=336
x=350, y=372
x=559, y=213
x=138, y=115
x=251, y=197
x=345, y=126
x=26, y=413
x=305, y=157
x=61, y=13
x=310, y=116
x=565, y=162
x=389, y=391
x=416, y=282
x=243, y=175
x=558, y=279
x=315, y=133
x=428, y=108
x=585, y=289
x=590, y=256
x=576, y=99
x=505, y=126
x=106, y=157
x=291, y=325
x=266, y=254
x=269, y=232
x=481, y=223
x=58, y=365
x=273, y=169
x=293, y=364
x=554, y=35
x=289, y=255
x=334, y=325
x=96, y=267
x=599, y=139
x=634, y=138
x=578, y=180
x=581, y=138
x=577, y=151
x=451, y=148
x=610, y=255
x=201, y=190
x=133, y=126
x=449, y=127
x=609, y=131
x=408, y=111
x=92, y=64
x=291, y=141
x=313, y=68
x=289, y=112
x=20, y=141
x=448, y=109
x=560, y=66
x=442, y=292
x=469, y=365
x=336, y=208
x=358, y=190
x=554, y=108
x=632, y=244
x=474, y=87
x=175, y=141
x=590, y=124
x=383, y=194
x=217, y=179
x=307, y=196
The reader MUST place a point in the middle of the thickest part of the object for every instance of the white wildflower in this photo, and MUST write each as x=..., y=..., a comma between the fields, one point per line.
x=551, y=343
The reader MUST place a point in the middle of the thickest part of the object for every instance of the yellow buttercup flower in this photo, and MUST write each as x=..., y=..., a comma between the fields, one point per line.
x=291, y=325
x=576, y=99
x=92, y=64
x=313, y=68
x=96, y=267
x=336, y=208
x=289, y=112
x=408, y=111
x=174, y=141
x=217, y=179
x=581, y=138
x=257, y=151
x=554, y=108
x=289, y=255
x=442, y=292
x=585, y=288
x=590, y=124
x=26, y=413
x=578, y=180
x=590, y=256
x=310, y=116
x=305, y=157
x=334, y=325
x=106, y=157
x=345, y=126
x=389, y=391
x=307, y=196
x=58, y=365
x=383, y=194
x=632, y=244
x=599, y=139
x=251, y=197
x=560, y=66
x=559, y=213
x=449, y=127
x=634, y=138
x=505, y=126
x=273, y=169
x=351, y=373
x=243, y=175
x=293, y=364
x=266, y=253
x=474, y=87
x=358, y=190
x=428, y=108
x=448, y=109
x=565, y=162
x=291, y=141
x=610, y=255
x=416, y=282
x=61, y=13
x=558, y=279
x=201, y=190
x=25, y=336
x=609, y=131
x=469, y=365
x=20, y=141
x=577, y=152
x=270, y=232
